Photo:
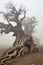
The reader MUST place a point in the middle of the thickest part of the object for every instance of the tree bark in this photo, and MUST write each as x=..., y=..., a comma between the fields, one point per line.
x=15, y=51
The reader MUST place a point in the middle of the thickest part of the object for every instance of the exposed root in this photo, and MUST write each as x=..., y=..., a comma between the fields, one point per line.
x=14, y=51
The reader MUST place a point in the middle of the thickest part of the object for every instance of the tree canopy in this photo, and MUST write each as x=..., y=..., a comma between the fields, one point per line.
x=13, y=15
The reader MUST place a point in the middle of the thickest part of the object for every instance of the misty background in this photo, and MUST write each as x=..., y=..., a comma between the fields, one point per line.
x=34, y=8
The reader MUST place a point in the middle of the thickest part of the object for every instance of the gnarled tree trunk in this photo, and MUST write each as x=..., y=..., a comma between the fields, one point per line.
x=17, y=50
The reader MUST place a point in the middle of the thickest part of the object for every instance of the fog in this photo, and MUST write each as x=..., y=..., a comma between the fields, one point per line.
x=34, y=8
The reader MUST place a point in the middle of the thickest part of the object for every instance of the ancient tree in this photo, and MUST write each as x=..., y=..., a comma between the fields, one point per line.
x=22, y=39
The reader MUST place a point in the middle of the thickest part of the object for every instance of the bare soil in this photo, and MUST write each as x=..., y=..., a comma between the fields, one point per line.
x=32, y=59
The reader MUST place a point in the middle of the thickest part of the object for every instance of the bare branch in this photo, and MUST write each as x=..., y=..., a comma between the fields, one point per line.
x=6, y=27
x=24, y=15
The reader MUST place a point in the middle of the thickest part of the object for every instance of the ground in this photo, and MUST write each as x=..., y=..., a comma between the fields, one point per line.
x=30, y=59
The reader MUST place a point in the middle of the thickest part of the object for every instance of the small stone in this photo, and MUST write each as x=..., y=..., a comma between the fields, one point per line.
x=32, y=64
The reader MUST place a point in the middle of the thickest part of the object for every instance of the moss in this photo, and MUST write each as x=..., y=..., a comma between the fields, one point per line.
x=17, y=61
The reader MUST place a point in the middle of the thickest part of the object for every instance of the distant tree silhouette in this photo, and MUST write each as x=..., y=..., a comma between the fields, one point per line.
x=29, y=25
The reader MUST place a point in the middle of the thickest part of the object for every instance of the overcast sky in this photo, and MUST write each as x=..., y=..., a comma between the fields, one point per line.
x=35, y=8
